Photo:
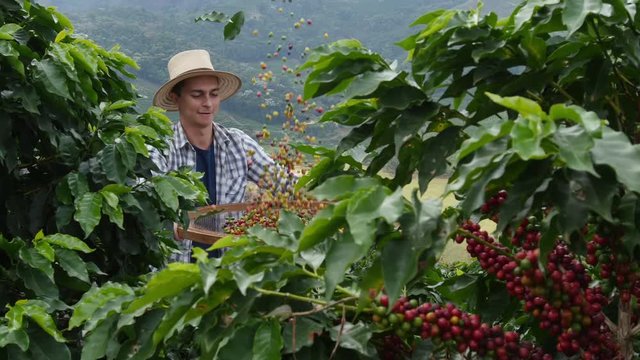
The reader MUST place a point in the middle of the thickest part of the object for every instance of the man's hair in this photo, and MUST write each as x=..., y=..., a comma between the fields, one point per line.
x=177, y=88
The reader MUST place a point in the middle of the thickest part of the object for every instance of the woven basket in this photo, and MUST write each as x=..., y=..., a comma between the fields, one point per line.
x=206, y=223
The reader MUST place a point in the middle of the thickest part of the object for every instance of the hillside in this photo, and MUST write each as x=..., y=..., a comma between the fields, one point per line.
x=151, y=31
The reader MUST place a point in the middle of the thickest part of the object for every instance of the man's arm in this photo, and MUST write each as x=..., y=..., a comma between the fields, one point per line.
x=261, y=166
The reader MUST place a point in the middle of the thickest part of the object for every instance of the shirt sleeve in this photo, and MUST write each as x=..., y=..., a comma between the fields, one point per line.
x=159, y=159
x=259, y=163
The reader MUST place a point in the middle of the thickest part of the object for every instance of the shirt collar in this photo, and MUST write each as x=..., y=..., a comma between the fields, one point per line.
x=219, y=134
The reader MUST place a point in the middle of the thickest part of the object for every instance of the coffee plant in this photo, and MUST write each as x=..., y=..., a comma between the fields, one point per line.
x=532, y=118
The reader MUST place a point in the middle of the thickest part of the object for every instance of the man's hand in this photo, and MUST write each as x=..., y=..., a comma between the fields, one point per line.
x=177, y=235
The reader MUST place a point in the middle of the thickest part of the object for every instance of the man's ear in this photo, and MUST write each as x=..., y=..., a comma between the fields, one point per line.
x=174, y=97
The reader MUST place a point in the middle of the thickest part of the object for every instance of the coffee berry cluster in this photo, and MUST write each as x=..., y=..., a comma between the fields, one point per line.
x=558, y=295
x=447, y=325
x=606, y=255
x=276, y=192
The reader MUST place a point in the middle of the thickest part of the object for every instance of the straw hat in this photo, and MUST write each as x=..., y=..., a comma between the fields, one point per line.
x=188, y=64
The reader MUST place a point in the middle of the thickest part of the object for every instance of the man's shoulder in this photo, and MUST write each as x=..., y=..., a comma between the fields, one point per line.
x=230, y=134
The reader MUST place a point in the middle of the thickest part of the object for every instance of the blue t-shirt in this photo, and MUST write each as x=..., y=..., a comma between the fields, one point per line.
x=206, y=163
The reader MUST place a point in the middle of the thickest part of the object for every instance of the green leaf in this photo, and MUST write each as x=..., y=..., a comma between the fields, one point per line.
x=110, y=198
x=73, y=264
x=342, y=186
x=117, y=189
x=290, y=224
x=230, y=241
x=366, y=206
x=323, y=225
x=85, y=56
x=314, y=256
x=95, y=299
x=245, y=279
x=18, y=337
x=527, y=135
x=32, y=257
x=367, y=83
x=171, y=321
x=628, y=211
x=52, y=77
x=238, y=344
x=355, y=337
x=475, y=194
x=588, y=119
x=7, y=31
x=96, y=343
x=113, y=165
x=304, y=330
x=38, y=282
x=44, y=249
x=115, y=215
x=434, y=24
x=9, y=52
x=616, y=151
x=120, y=104
x=342, y=253
x=234, y=26
x=78, y=184
x=41, y=316
x=183, y=187
x=397, y=273
x=138, y=143
x=485, y=132
x=167, y=283
x=576, y=11
x=574, y=144
x=68, y=242
x=44, y=347
x=272, y=238
x=208, y=274
x=434, y=154
x=127, y=154
x=167, y=193
x=529, y=109
x=267, y=341
x=88, y=211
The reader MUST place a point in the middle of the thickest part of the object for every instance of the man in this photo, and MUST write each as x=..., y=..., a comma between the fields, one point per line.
x=227, y=157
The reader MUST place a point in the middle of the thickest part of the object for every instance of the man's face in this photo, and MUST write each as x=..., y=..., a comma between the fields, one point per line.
x=198, y=102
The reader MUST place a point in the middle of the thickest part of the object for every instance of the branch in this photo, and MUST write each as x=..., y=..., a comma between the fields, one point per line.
x=338, y=287
x=612, y=326
x=483, y=242
x=324, y=307
x=335, y=348
x=325, y=304
x=564, y=92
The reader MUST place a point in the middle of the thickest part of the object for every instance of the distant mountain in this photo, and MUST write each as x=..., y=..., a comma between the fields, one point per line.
x=151, y=31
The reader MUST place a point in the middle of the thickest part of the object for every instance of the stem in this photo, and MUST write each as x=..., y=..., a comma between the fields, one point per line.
x=564, y=92
x=304, y=298
x=293, y=339
x=465, y=233
x=625, y=337
x=335, y=348
x=324, y=307
x=339, y=288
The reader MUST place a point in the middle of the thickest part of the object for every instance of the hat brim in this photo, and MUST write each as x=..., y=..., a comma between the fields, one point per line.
x=229, y=84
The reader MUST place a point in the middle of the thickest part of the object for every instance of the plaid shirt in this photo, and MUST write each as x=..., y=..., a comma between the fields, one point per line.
x=238, y=158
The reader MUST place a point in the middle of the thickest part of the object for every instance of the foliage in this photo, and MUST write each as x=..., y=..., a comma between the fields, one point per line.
x=502, y=104
x=80, y=206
